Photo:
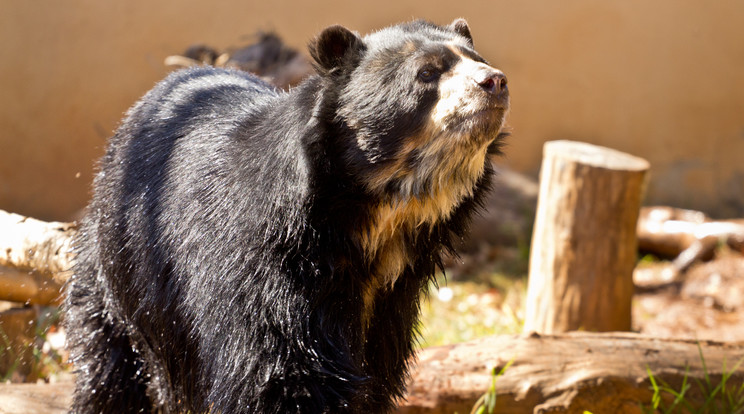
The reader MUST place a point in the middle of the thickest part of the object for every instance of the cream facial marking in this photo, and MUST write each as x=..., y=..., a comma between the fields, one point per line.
x=458, y=91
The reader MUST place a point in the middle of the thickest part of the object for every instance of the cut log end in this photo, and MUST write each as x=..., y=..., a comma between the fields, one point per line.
x=594, y=156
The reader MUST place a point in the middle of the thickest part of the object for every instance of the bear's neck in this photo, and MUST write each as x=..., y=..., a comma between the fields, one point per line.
x=395, y=224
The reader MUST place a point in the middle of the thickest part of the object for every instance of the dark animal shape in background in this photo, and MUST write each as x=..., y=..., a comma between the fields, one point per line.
x=269, y=58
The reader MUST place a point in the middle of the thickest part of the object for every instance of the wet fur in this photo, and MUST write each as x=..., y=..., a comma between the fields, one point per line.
x=248, y=250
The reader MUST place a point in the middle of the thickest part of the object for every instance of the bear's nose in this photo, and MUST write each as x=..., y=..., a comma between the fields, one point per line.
x=492, y=81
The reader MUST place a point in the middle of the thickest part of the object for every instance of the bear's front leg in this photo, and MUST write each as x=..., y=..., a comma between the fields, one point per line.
x=274, y=350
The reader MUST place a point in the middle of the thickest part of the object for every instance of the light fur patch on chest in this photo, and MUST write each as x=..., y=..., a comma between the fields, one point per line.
x=427, y=194
x=387, y=241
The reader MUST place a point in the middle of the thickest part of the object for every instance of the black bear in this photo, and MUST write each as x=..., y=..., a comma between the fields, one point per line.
x=248, y=250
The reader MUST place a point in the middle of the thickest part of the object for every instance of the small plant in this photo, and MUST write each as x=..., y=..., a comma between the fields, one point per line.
x=36, y=359
x=487, y=402
x=6, y=347
x=47, y=360
x=720, y=398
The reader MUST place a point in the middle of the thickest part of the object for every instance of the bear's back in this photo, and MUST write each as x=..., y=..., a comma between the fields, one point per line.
x=190, y=172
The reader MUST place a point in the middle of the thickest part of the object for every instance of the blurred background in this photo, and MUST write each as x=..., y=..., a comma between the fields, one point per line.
x=662, y=79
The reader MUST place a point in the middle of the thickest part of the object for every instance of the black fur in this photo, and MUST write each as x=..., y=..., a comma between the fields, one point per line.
x=219, y=267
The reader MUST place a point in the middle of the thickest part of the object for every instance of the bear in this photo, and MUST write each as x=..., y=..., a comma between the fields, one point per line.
x=250, y=250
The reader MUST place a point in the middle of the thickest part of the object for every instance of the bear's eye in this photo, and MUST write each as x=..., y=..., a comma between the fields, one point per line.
x=428, y=75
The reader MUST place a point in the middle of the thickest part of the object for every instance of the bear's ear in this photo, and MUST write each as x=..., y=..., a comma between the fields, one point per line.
x=332, y=46
x=460, y=26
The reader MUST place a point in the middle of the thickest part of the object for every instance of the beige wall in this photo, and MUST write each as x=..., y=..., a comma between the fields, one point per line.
x=661, y=79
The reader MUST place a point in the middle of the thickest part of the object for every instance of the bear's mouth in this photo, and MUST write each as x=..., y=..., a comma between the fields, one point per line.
x=483, y=123
x=489, y=115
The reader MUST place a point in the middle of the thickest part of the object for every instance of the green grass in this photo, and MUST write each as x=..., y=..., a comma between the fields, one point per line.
x=720, y=397
x=486, y=404
x=48, y=361
x=475, y=310
x=45, y=361
x=6, y=347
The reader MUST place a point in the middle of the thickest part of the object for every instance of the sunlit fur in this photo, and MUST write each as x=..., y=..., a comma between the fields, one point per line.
x=253, y=251
x=450, y=158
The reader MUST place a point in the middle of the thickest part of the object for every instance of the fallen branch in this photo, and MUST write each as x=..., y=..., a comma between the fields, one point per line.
x=32, y=288
x=32, y=245
x=686, y=236
x=568, y=373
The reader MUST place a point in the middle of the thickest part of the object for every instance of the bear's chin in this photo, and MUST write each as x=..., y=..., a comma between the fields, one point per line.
x=478, y=129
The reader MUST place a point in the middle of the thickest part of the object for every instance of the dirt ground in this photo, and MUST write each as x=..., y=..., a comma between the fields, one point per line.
x=708, y=302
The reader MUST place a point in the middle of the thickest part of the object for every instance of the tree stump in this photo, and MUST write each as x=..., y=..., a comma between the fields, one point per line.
x=584, y=241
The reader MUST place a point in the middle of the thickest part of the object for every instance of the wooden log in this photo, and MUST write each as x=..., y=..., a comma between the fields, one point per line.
x=584, y=241
x=28, y=244
x=35, y=398
x=687, y=236
x=30, y=288
x=16, y=286
x=567, y=373
x=657, y=236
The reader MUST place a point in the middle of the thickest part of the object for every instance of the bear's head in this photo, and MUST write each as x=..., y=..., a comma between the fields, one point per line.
x=420, y=104
x=417, y=109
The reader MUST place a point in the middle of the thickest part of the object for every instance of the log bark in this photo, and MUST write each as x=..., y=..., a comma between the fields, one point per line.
x=568, y=373
x=28, y=244
x=35, y=398
x=31, y=288
x=584, y=242
x=16, y=286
